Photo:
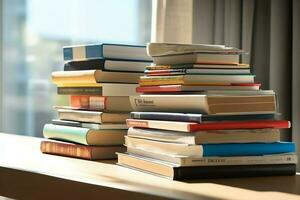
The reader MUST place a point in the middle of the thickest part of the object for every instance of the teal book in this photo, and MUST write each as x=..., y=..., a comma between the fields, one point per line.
x=86, y=136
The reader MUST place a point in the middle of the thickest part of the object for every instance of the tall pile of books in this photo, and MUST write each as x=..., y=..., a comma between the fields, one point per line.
x=201, y=115
x=98, y=80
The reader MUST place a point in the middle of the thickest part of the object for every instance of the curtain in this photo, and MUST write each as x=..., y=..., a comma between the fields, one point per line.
x=268, y=30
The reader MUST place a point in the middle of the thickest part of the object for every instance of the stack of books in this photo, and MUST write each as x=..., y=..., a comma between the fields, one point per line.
x=204, y=119
x=98, y=80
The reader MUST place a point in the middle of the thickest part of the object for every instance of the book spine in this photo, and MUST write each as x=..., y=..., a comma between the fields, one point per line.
x=170, y=103
x=241, y=125
x=97, y=103
x=233, y=171
x=79, y=90
x=85, y=65
x=66, y=133
x=78, y=151
x=167, y=116
x=80, y=53
x=237, y=160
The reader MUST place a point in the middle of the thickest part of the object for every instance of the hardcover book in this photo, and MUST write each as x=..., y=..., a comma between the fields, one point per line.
x=193, y=126
x=174, y=172
x=207, y=136
x=209, y=150
x=106, y=89
x=91, y=116
x=88, y=125
x=191, y=117
x=197, y=88
x=84, y=135
x=80, y=151
x=101, y=103
x=106, y=64
x=105, y=50
x=73, y=78
x=205, y=104
x=216, y=161
x=201, y=79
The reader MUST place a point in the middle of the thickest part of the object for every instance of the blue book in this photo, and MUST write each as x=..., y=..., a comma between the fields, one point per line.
x=208, y=150
x=190, y=117
x=250, y=149
x=105, y=51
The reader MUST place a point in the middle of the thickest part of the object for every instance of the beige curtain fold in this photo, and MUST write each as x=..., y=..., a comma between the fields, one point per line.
x=268, y=30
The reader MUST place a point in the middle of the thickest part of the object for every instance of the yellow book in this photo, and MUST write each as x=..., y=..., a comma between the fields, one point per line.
x=195, y=80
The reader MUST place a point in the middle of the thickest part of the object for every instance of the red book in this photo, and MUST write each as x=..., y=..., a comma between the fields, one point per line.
x=191, y=88
x=191, y=126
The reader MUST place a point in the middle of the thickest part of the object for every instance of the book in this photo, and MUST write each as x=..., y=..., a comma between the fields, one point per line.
x=80, y=151
x=202, y=79
x=166, y=72
x=161, y=49
x=72, y=78
x=106, y=89
x=193, y=126
x=88, y=125
x=208, y=136
x=201, y=58
x=197, y=66
x=216, y=161
x=190, y=117
x=205, y=104
x=105, y=50
x=101, y=103
x=84, y=135
x=195, y=88
x=174, y=172
x=91, y=116
x=107, y=64
x=208, y=150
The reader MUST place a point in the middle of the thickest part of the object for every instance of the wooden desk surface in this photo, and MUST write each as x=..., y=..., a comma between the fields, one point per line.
x=25, y=173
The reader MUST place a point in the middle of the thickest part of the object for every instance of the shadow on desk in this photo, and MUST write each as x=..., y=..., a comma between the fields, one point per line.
x=288, y=183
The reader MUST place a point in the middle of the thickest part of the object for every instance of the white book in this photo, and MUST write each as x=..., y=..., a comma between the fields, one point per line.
x=207, y=137
x=206, y=58
x=205, y=104
x=216, y=161
x=122, y=65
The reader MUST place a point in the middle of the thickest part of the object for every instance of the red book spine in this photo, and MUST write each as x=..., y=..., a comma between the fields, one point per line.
x=241, y=125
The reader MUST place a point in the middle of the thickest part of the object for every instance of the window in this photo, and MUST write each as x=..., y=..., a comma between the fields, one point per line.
x=34, y=33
